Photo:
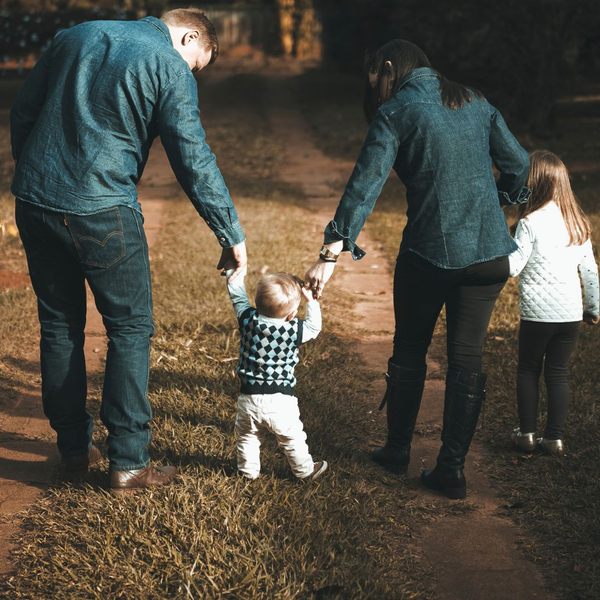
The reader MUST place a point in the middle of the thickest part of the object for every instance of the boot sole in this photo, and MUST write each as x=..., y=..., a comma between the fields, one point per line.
x=453, y=493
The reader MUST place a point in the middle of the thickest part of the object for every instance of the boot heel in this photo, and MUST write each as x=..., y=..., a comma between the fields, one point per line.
x=455, y=493
x=395, y=469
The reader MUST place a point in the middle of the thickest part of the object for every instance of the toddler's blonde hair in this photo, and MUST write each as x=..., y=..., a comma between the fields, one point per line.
x=278, y=295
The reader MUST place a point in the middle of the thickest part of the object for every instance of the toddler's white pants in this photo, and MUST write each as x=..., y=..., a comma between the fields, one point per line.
x=279, y=414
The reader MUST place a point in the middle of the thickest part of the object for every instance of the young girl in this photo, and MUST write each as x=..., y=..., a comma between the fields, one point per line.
x=553, y=235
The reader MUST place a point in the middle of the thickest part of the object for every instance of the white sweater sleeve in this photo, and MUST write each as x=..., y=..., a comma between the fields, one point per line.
x=589, y=275
x=237, y=293
x=312, y=323
x=524, y=237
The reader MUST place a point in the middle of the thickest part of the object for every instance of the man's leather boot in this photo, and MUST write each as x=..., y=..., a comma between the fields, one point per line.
x=151, y=476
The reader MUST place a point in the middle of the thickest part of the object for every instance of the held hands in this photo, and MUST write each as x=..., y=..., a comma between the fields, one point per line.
x=233, y=258
x=307, y=293
x=317, y=276
x=591, y=319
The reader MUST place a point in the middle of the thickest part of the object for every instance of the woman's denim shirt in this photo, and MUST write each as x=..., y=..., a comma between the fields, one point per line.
x=443, y=158
x=85, y=118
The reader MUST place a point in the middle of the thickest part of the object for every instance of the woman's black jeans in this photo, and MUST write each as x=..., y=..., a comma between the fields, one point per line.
x=547, y=345
x=420, y=291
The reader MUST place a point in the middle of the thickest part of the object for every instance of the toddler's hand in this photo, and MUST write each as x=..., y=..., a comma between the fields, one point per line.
x=307, y=293
x=591, y=319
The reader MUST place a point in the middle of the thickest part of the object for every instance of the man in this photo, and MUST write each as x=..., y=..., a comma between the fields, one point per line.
x=81, y=129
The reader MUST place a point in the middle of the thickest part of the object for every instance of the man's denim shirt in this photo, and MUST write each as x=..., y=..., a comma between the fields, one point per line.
x=85, y=118
x=443, y=158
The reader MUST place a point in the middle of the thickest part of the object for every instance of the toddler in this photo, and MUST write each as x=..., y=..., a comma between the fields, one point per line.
x=270, y=337
x=553, y=235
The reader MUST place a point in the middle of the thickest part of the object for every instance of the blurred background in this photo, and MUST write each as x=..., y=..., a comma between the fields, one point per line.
x=523, y=55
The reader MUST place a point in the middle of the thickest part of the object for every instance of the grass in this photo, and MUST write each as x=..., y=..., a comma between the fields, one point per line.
x=348, y=535
x=554, y=501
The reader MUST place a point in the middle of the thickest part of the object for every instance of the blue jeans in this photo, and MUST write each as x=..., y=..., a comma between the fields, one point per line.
x=110, y=251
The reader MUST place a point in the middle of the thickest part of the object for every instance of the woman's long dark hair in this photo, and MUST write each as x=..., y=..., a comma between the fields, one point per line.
x=406, y=57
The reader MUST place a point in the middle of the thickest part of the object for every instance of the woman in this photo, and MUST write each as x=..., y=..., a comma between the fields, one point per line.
x=438, y=136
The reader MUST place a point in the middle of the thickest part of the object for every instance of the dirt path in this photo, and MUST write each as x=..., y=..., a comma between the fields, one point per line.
x=28, y=454
x=474, y=555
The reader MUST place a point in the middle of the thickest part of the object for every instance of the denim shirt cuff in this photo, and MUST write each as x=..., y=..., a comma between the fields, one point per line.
x=232, y=236
x=522, y=198
x=333, y=235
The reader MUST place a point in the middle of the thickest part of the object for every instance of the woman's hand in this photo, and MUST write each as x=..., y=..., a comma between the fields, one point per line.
x=318, y=275
x=591, y=319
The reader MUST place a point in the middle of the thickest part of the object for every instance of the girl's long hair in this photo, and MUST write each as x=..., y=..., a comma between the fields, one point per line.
x=549, y=180
x=406, y=57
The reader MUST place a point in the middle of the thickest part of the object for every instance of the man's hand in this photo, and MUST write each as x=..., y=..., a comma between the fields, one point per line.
x=233, y=258
x=591, y=319
x=318, y=275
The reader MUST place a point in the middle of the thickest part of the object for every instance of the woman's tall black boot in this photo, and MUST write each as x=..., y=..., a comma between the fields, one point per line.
x=403, y=399
x=465, y=393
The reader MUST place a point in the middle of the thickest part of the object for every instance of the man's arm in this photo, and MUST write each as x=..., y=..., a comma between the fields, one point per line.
x=196, y=168
x=28, y=104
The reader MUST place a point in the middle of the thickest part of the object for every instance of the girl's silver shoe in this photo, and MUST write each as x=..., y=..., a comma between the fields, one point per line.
x=552, y=447
x=524, y=441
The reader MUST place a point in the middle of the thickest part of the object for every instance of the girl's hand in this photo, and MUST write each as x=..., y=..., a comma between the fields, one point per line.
x=318, y=275
x=591, y=319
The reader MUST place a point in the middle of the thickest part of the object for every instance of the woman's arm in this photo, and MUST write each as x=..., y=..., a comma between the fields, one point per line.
x=524, y=237
x=511, y=159
x=376, y=159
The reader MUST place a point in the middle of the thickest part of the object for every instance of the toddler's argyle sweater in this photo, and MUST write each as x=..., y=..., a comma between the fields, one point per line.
x=268, y=354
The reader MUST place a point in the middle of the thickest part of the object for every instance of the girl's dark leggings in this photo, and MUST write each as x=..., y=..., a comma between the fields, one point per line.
x=547, y=345
x=421, y=290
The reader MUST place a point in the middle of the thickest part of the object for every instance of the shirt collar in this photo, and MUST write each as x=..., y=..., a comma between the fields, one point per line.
x=420, y=73
x=271, y=320
x=160, y=26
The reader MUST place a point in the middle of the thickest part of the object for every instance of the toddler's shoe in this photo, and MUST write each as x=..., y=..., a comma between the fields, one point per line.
x=320, y=468
x=524, y=441
x=552, y=447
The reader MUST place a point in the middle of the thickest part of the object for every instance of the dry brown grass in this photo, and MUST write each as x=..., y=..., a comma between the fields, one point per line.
x=348, y=535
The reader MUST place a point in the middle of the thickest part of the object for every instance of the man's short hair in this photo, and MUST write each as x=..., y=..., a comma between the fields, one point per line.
x=277, y=295
x=194, y=18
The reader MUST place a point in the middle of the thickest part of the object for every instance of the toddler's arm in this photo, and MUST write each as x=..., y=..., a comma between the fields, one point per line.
x=312, y=322
x=589, y=275
x=237, y=292
x=524, y=237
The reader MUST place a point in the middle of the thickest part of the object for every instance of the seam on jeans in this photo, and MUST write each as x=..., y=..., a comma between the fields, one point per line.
x=147, y=267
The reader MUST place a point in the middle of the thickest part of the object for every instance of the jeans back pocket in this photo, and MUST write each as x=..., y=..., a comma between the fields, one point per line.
x=98, y=238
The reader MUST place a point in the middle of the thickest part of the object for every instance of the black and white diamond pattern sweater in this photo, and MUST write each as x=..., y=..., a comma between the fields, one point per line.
x=268, y=354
